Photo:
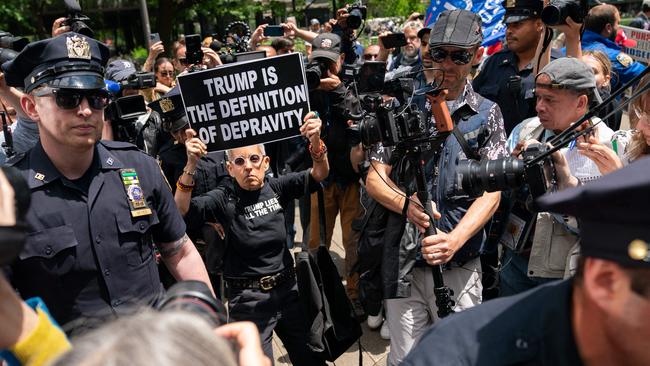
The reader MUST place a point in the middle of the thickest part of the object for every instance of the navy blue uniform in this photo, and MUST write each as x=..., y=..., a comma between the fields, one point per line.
x=533, y=328
x=516, y=99
x=85, y=254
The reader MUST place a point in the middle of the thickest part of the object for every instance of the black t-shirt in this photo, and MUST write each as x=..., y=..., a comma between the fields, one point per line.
x=256, y=234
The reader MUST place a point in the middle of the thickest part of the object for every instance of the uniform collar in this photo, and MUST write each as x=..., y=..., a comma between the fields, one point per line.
x=43, y=171
x=589, y=36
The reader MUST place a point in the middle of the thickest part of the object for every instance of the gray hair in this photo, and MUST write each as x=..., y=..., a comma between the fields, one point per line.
x=151, y=338
x=228, y=152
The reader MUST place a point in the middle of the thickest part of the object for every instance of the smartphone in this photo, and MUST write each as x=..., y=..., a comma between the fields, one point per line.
x=274, y=31
x=394, y=40
x=154, y=38
x=193, y=52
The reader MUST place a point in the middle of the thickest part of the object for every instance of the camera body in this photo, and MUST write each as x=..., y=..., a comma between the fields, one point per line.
x=75, y=20
x=556, y=11
x=392, y=126
x=477, y=177
x=315, y=70
x=358, y=13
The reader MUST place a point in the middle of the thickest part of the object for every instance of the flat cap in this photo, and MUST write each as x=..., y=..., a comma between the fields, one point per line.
x=458, y=28
x=569, y=73
x=613, y=214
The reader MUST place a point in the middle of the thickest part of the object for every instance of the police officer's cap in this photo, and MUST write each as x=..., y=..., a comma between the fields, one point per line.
x=71, y=61
x=518, y=10
x=171, y=109
x=613, y=213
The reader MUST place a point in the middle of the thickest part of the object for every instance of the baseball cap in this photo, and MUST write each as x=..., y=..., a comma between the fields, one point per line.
x=612, y=214
x=570, y=73
x=120, y=70
x=458, y=28
x=326, y=45
x=422, y=31
x=518, y=10
x=314, y=21
x=70, y=60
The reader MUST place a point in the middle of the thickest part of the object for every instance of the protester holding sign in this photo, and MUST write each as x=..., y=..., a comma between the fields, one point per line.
x=258, y=267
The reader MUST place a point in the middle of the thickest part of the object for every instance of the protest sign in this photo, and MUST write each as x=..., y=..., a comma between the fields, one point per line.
x=642, y=50
x=246, y=103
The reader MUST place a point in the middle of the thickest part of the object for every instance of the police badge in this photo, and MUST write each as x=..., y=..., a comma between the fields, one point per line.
x=78, y=47
x=135, y=194
x=166, y=105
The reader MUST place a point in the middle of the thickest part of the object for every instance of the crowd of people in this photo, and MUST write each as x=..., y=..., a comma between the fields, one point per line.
x=549, y=229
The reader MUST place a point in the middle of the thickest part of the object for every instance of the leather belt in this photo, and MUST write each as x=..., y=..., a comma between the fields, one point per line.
x=266, y=283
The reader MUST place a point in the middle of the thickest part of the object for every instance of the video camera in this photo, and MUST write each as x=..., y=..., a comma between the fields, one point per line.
x=315, y=70
x=234, y=45
x=75, y=20
x=10, y=46
x=123, y=111
x=358, y=13
x=556, y=11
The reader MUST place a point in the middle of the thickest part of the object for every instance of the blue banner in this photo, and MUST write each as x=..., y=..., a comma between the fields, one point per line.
x=490, y=11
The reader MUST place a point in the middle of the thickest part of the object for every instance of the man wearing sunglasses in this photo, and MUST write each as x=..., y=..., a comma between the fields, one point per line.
x=99, y=207
x=454, y=44
x=257, y=265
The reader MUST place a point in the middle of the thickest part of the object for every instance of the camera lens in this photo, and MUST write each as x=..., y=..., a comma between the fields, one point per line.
x=490, y=175
x=370, y=131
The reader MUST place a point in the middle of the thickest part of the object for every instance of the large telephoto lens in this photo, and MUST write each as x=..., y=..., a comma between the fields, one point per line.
x=477, y=177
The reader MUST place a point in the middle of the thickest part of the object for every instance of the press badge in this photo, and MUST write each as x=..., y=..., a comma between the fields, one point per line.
x=137, y=202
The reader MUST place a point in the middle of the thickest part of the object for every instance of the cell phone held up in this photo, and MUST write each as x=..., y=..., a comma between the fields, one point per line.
x=154, y=38
x=193, y=52
x=274, y=31
x=394, y=40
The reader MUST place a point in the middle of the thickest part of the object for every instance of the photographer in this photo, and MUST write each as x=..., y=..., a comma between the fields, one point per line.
x=258, y=266
x=334, y=102
x=539, y=251
x=454, y=45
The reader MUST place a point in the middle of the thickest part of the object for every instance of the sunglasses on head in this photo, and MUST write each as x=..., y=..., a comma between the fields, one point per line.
x=462, y=57
x=255, y=160
x=71, y=98
x=166, y=73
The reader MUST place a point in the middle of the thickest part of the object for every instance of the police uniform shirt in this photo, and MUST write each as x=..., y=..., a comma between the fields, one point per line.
x=256, y=233
x=525, y=329
x=493, y=82
x=86, y=254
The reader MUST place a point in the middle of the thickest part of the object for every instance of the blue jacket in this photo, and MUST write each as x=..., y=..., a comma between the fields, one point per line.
x=625, y=68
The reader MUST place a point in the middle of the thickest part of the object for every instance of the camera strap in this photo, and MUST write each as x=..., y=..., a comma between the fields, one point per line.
x=469, y=153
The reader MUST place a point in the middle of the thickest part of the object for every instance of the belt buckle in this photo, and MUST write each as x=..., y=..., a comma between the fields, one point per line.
x=267, y=283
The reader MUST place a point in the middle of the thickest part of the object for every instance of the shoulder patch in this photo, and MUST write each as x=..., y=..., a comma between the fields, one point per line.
x=624, y=59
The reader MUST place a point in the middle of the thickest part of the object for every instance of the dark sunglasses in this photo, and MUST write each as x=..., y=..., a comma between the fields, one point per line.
x=183, y=61
x=370, y=56
x=254, y=159
x=166, y=73
x=463, y=57
x=71, y=98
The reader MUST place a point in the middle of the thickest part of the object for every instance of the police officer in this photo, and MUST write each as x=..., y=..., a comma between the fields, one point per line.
x=99, y=207
x=507, y=76
x=601, y=26
x=598, y=317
